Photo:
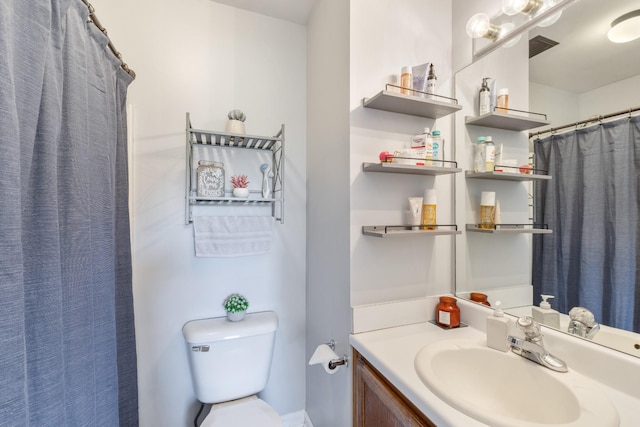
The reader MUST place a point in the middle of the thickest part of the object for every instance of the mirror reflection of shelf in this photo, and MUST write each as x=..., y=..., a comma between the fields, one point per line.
x=506, y=176
x=389, y=167
x=414, y=105
x=511, y=121
x=228, y=200
x=408, y=230
x=511, y=228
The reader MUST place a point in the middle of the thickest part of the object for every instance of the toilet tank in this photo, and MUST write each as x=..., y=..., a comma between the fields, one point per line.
x=229, y=360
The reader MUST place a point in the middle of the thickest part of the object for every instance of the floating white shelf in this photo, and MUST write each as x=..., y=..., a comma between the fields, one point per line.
x=509, y=229
x=410, y=104
x=405, y=231
x=506, y=121
x=506, y=176
x=409, y=169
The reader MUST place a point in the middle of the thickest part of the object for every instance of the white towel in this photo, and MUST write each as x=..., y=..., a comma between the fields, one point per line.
x=228, y=236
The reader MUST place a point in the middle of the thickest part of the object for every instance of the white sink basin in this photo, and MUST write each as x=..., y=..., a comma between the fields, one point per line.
x=506, y=390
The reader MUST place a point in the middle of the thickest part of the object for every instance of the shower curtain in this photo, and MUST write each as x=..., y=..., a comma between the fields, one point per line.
x=592, y=204
x=67, y=345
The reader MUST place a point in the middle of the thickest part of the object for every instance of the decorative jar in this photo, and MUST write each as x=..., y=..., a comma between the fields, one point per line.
x=448, y=312
x=210, y=179
x=479, y=298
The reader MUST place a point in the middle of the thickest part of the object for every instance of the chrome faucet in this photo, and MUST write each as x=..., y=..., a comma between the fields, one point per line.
x=531, y=346
x=582, y=323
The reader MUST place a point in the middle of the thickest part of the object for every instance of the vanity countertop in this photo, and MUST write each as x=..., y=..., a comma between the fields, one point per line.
x=392, y=352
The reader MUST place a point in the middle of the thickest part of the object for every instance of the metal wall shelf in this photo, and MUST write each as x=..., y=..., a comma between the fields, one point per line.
x=510, y=229
x=410, y=169
x=411, y=104
x=224, y=140
x=506, y=121
x=506, y=176
x=384, y=231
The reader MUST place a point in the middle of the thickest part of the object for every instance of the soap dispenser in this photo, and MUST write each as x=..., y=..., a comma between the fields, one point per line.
x=498, y=329
x=545, y=314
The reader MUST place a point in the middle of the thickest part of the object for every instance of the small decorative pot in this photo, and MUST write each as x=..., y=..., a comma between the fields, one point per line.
x=241, y=192
x=235, y=126
x=236, y=317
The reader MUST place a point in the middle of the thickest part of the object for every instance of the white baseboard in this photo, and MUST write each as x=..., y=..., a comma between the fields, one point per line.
x=296, y=419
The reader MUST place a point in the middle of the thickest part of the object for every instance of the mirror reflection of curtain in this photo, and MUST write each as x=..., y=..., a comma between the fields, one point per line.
x=592, y=204
x=67, y=345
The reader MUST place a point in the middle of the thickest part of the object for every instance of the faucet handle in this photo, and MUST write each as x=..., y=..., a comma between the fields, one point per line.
x=530, y=327
x=583, y=316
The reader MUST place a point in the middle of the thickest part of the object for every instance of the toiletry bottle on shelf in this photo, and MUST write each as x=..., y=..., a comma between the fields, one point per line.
x=478, y=158
x=419, y=145
x=489, y=154
x=487, y=210
x=545, y=314
x=484, y=104
x=448, y=312
x=431, y=81
x=429, y=202
x=502, y=105
x=437, y=152
x=498, y=329
x=406, y=81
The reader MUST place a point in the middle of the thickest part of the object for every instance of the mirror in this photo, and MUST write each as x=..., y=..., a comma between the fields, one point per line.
x=564, y=82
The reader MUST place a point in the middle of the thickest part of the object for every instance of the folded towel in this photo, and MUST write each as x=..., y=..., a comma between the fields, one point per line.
x=228, y=236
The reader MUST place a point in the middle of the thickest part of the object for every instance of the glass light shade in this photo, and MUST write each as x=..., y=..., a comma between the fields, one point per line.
x=553, y=18
x=505, y=29
x=626, y=28
x=513, y=7
x=479, y=25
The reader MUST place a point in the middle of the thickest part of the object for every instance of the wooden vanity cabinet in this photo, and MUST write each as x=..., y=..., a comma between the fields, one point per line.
x=377, y=403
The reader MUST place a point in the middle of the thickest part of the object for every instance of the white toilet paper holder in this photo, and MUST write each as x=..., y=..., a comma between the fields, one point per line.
x=334, y=363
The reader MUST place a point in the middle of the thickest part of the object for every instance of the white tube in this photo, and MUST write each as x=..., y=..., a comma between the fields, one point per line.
x=415, y=211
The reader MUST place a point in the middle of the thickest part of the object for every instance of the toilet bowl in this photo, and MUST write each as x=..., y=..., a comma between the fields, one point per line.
x=247, y=412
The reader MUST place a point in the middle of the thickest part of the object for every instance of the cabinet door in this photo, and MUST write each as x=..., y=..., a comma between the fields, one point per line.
x=376, y=403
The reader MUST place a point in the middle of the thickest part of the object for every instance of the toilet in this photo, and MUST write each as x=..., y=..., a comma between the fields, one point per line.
x=230, y=363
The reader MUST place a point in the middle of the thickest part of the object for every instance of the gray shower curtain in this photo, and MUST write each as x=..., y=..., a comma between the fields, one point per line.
x=67, y=345
x=592, y=204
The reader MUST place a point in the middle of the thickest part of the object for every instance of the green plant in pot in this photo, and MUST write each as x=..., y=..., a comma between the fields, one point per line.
x=236, y=306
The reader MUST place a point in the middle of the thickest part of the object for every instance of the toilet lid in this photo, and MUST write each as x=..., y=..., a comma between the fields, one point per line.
x=249, y=412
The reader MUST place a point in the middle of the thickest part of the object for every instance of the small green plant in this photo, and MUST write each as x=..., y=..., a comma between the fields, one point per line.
x=239, y=181
x=236, y=303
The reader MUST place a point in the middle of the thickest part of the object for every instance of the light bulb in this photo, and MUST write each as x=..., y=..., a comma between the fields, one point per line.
x=528, y=7
x=480, y=26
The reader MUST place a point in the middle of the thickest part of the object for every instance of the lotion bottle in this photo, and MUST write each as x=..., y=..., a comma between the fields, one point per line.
x=498, y=329
x=484, y=105
x=545, y=314
x=406, y=81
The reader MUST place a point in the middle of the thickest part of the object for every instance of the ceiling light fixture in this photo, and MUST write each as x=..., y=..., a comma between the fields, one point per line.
x=625, y=28
x=480, y=26
x=531, y=8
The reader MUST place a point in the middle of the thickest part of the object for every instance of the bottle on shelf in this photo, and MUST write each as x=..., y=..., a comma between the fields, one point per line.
x=437, y=152
x=429, y=205
x=502, y=105
x=484, y=105
x=431, y=81
x=487, y=210
x=420, y=144
x=490, y=154
x=406, y=81
x=479, y=155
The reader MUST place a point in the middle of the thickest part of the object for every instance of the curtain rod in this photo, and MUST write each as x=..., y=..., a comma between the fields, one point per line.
x=93, y=18
x=581, y=122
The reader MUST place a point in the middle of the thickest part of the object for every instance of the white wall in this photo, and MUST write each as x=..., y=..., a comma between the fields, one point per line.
x=328, y=263
x=385, y=36
x=206, y=58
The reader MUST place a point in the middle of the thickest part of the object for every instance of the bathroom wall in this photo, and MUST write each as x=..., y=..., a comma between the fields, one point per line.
x=202, y=57
x=385, y=38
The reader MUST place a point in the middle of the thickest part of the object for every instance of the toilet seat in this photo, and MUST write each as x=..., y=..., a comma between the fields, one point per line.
x=247, y=412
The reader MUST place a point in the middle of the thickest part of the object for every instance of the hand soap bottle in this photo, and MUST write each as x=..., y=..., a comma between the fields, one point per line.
x=545, y=314
x=498, y=329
